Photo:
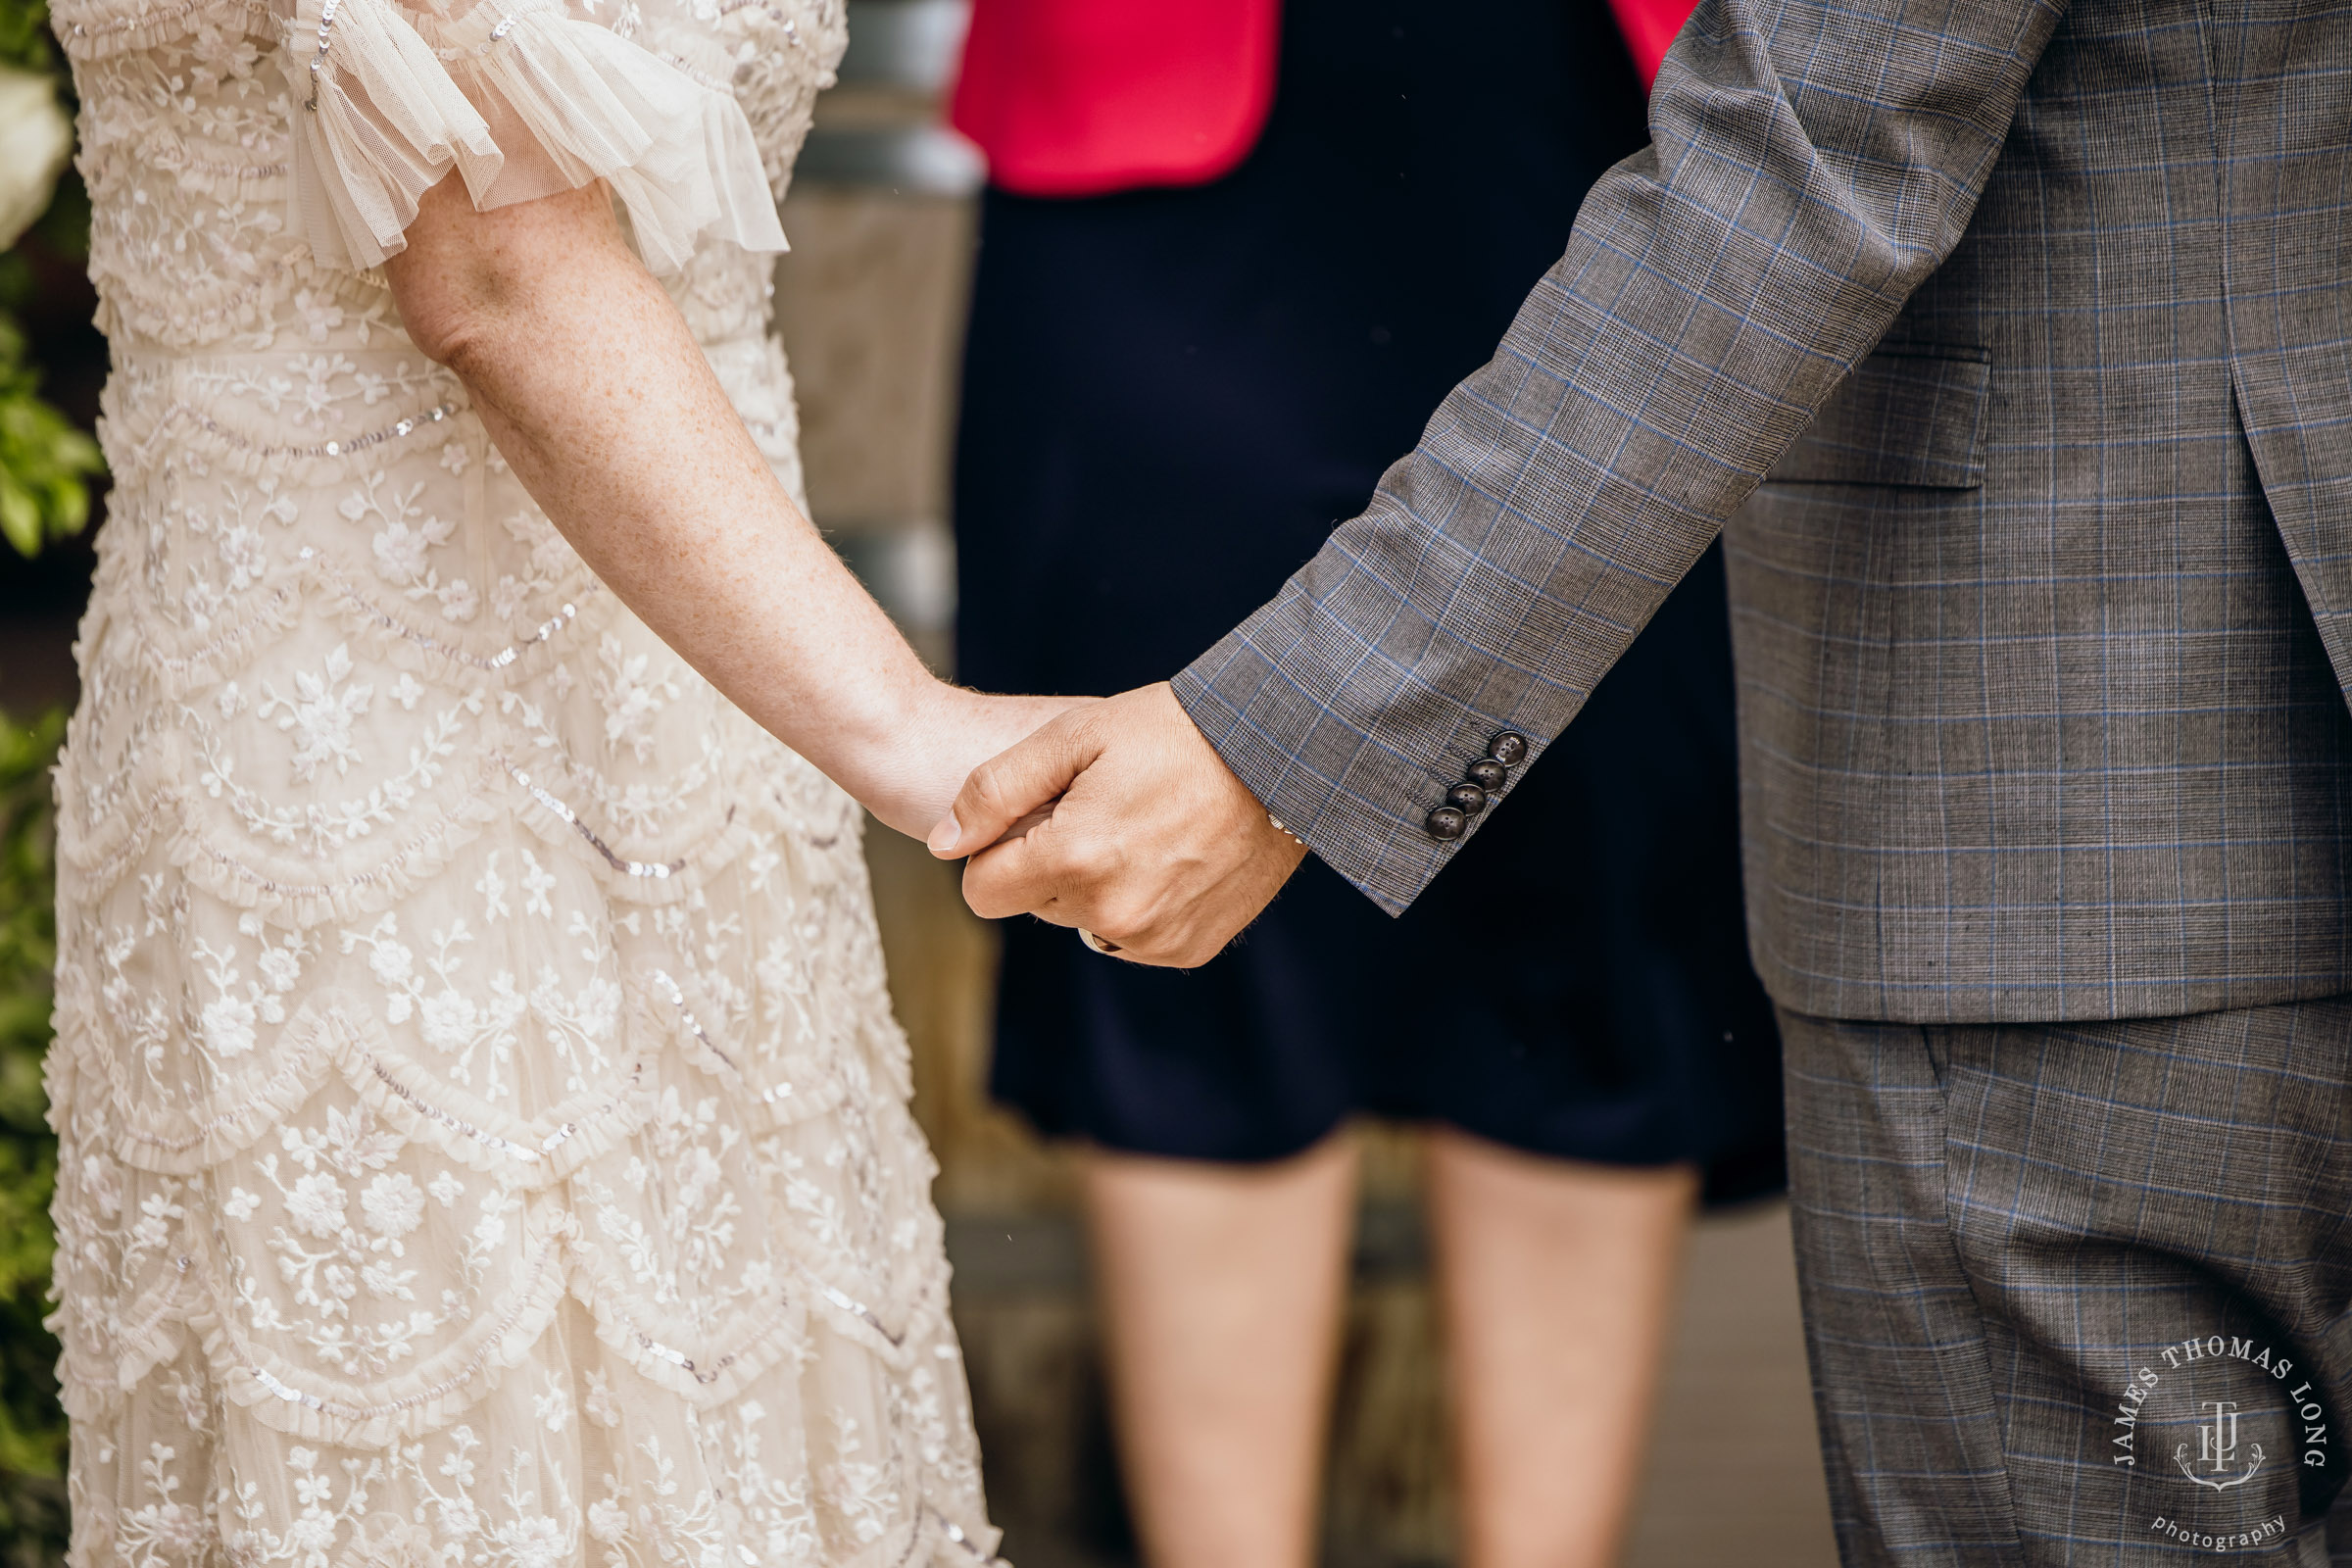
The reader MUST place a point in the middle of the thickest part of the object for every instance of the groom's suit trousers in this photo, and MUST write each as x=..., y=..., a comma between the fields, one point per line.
x=2078, y=1294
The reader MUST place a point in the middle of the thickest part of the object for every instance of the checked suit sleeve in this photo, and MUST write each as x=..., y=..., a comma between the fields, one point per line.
x=1811, y=162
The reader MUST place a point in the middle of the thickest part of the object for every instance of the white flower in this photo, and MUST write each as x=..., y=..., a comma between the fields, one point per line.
x=232, y=701
x=241, y=1204
x=355, y=1143
x=459, y=1466
x=600, y=1007
x=98, y=1180
x=506, y=599
x=242, y=554
x=457, y=1519
x=400, y=550
x=634, y=690
x=228, y=1026
x=386, y=1285
x=600, y=1404
x=390, y=963
x=149, y=1233
x=35, y=141
x=173, y=1525
x=532, y=1543
x=493, y=889
x=392, y=1205
x=608, y=1521
x=459, y=601
x=538, y=882
x=446, y=1189
x=316, y=1205
x=319, y=714
x=702, y=1174
x=313, y=1531
x=280, y=967
x=320, y=312
x=553, y=1408
x=447, y=1020
x=406, y=691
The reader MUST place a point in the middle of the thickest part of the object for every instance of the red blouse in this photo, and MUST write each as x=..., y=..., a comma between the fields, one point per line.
x=1081, y=97
x=1084, y=97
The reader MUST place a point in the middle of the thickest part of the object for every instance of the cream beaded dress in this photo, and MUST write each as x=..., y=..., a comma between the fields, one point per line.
x=485, y=1137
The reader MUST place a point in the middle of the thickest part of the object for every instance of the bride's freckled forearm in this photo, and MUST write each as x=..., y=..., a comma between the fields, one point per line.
x=608, y=414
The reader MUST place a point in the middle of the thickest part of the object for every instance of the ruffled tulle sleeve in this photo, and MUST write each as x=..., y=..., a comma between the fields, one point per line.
x=521, y=98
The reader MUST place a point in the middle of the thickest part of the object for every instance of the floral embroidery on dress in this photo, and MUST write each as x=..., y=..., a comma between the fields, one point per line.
x=434, y=1192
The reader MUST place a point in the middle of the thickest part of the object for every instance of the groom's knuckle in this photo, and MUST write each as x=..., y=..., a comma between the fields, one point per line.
x=985, y=889
x=986, y=788
x=1081, y=725
x=1086, y=860
x=1123, y=911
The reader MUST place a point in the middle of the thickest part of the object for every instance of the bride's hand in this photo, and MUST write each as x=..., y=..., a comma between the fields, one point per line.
x=952, y=732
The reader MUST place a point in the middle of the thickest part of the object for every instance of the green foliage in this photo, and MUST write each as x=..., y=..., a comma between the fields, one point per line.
x=25, y=40
x=45, y=462
x=32, y=1429
x=64, y=231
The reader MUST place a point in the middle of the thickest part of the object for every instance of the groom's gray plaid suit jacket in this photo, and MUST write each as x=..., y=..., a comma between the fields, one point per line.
x=2042, y=310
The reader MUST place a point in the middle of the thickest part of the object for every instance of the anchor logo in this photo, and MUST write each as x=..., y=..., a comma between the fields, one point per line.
x=2217, y=1449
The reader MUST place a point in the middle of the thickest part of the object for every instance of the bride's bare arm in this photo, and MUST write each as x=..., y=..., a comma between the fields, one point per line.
x=603, y=404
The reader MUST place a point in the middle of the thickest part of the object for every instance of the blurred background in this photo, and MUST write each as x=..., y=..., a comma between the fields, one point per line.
x=871, y=305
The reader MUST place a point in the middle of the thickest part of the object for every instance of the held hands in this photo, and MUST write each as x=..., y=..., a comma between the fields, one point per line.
x=1151, y=844
x=912, y=774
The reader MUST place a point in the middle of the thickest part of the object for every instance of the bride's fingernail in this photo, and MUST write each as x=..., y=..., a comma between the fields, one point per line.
x=943, y=837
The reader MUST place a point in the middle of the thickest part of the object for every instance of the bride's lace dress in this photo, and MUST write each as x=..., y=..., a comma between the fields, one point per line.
x=485, y=1137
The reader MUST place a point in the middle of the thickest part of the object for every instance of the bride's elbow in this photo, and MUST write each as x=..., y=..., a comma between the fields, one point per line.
x=446, y=282
x=453, y=335
x=470, y=281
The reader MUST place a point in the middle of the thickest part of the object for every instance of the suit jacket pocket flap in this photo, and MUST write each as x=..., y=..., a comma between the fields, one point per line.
x=1907, y=415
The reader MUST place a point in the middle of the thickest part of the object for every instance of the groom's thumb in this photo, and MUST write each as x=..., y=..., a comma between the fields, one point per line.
x=1011, y=786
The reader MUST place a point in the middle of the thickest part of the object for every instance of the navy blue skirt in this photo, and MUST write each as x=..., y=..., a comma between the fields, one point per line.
x=1170, y=399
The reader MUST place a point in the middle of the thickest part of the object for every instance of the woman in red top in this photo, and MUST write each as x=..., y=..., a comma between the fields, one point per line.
x=1185, y=365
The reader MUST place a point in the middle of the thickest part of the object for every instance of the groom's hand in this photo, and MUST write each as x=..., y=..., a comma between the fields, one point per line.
x=1153, y=844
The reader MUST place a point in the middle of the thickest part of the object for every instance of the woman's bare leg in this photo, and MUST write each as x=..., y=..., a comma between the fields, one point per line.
x=1221, y=1289
x=1558, y=1280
